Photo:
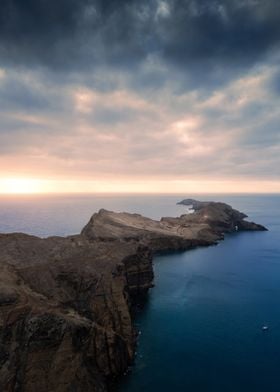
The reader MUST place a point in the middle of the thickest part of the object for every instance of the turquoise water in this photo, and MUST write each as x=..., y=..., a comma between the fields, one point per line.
x=201, y=327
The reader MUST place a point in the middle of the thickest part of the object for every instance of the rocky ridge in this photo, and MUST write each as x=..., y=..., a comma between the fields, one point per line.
x=65, y=303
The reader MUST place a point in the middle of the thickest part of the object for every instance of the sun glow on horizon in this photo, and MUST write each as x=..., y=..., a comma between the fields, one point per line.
x=21, y=186
x=24, y=186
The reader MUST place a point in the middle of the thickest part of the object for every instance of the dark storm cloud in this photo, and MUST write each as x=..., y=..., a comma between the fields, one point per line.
x=68, y=33
x=230, y=31
x=189, y=34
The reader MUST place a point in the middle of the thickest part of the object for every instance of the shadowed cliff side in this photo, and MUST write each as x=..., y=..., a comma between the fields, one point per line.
x=65, y=303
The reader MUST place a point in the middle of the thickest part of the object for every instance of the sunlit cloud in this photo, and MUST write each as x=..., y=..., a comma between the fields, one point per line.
x=84, y=100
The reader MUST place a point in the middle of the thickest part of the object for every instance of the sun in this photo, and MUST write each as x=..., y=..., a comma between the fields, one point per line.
x=20, y=186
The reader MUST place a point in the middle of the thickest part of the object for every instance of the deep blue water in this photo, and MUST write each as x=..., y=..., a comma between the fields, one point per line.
x=201, y=327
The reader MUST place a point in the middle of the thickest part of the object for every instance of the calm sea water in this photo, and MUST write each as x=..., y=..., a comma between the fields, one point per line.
x=201, y=328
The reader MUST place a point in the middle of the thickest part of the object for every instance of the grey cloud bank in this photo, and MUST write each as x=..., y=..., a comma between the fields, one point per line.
x=163, y=89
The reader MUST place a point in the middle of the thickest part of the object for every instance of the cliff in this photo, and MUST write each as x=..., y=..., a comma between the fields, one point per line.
x=65, y=303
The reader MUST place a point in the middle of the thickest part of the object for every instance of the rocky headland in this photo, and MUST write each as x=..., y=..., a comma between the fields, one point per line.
x=66, y=303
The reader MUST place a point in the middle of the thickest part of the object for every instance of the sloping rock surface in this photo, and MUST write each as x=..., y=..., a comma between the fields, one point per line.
x=65, y=303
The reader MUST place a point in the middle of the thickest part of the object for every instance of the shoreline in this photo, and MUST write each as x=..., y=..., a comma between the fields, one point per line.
x=72, y=297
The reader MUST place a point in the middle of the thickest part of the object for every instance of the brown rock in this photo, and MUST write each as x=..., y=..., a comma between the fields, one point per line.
x=65, y=303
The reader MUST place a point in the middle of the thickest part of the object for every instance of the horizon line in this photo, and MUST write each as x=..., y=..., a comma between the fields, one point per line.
x=18, y=194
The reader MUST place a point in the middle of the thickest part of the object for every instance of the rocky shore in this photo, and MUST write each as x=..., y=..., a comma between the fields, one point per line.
x=65, y=303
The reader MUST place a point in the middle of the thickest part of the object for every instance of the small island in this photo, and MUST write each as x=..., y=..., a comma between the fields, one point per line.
x=66, y=303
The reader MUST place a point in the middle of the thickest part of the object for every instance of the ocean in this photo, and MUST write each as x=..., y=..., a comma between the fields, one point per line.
x=201, y=329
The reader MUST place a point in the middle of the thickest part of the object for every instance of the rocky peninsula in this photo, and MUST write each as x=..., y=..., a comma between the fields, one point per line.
x=66, y=303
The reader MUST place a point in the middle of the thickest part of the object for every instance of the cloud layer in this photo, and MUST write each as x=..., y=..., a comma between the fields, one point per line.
x=157, y=90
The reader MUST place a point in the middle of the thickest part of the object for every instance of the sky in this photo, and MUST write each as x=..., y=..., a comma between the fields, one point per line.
x=139, y=96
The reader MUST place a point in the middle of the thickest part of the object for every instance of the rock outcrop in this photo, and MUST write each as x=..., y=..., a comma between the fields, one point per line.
x=220, y=217
x=65, y=303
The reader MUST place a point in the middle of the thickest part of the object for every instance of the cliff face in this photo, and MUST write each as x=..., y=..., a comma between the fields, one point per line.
x=64, y=311
x=65, y=303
